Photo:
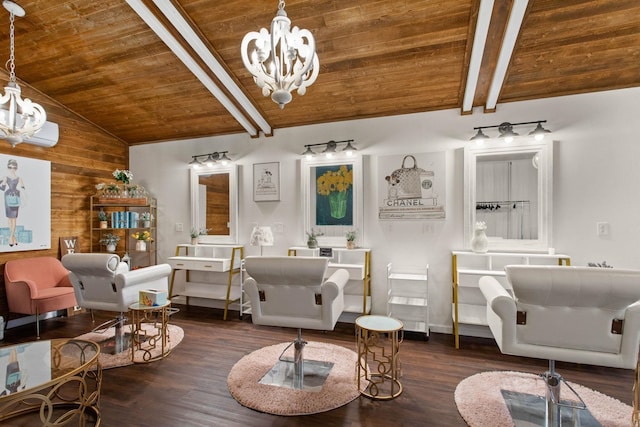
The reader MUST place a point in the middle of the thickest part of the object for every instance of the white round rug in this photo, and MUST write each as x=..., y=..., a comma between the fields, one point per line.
x=480, y=402
x=338, y=389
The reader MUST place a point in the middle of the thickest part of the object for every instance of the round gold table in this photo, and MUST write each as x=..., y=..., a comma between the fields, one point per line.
x=149, y=332
x=378, y=360
x=60, y=379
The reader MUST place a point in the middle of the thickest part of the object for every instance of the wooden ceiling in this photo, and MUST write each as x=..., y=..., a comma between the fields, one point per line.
x=101, y=60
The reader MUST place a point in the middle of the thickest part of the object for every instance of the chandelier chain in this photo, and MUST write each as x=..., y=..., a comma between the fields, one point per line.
x=12, y=57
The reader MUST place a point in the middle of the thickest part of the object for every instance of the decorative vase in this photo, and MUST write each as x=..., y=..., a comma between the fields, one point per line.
x=194, y=240
x=103, y=224
x=111, y=247
x=146, y=224
x=312, y=243
x=351, y=244
x=480, y=242
x=338, y=204
x=141, y=245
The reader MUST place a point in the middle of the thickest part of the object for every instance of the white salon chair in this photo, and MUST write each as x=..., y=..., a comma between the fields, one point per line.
x=292, y=292
x=102, y=282
x=571, y=314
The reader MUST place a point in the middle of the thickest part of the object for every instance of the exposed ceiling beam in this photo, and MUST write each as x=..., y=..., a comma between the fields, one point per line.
x=187, y=32
x=508, y=43
x=479, y=40
x=175, y=46
x=497, y=28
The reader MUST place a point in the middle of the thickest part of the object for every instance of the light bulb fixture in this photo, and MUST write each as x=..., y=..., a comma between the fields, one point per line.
x=330, y=148
x=19, y=119
x=539, y=132
x=281, y=61
x=506, y=131
x=209, y=160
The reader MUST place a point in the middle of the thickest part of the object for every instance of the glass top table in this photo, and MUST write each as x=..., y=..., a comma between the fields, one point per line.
x=29, y=372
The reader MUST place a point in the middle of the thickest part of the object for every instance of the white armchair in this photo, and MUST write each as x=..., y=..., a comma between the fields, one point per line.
x=572, y=314
x=102, y=282
x=293, y=292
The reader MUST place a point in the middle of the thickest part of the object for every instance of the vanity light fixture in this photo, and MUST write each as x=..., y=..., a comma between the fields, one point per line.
x=282, y=61
x=209, y=160
x=330, y=148
x=506, y=131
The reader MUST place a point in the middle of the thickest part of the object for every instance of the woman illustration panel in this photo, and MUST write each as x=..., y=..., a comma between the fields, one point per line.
x=13, y=188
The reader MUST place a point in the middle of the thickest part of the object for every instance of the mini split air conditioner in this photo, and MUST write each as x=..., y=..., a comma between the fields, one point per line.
x=47, y=136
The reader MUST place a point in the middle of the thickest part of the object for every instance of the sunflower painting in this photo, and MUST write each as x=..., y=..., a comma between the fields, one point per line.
x=334, y=195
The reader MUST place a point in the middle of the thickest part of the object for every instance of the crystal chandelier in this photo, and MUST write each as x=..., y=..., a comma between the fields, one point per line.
x=281, y=61
x=19, y=119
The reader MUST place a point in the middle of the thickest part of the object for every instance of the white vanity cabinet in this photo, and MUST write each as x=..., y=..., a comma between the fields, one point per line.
x=209, y=271
x=469, y=308
x=408, y=297
x=357, y=292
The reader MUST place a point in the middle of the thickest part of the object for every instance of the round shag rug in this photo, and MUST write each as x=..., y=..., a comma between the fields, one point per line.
x=338, y=389
x=105, y=339
x=480, y=401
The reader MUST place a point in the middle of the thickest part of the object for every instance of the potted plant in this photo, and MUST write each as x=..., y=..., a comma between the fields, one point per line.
x=351, y=239
x=146, y=218
x=110, y=241
x=194, y=236
x=142, y=237
x=312, y=240
x=102, y=217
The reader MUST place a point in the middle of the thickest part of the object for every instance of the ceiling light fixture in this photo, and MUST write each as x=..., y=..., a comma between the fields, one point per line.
x=281, y=61
x=506, y=131
x=330, y=148
x=20, y=119
x=209, y=160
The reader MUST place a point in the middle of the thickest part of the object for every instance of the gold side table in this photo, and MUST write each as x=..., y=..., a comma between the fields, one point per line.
x=147, y=340
x=378, y=360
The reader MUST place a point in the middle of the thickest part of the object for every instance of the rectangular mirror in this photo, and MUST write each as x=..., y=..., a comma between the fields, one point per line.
x=508, y=187
x=332, y=197
x=214, y=203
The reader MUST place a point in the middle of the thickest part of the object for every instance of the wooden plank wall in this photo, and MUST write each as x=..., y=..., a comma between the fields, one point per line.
x=84, y=156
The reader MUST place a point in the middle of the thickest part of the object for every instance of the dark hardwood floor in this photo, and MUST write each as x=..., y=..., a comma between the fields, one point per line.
x=189, y=387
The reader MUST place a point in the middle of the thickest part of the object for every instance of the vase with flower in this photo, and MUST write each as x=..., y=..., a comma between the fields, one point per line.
x=142, y=237
x=312, y=238
x=124, y=176
x=146, y=218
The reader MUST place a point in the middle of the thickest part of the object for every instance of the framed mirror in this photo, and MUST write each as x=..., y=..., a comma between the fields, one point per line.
x=509, y=188
x=332, y=197
x=214, y=203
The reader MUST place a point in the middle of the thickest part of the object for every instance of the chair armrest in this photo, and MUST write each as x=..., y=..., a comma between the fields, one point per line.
x=152, y=277
x=334, y=285
x=25, y=288
x=498, y=299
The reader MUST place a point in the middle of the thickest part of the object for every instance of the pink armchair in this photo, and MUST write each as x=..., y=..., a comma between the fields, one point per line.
x=37, y=285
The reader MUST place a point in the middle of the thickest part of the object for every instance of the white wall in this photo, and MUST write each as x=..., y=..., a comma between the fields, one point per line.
x=596, y=178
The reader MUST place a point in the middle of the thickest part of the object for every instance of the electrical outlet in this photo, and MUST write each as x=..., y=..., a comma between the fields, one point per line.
x=602, y=228
x=279, y=227
x=179, y=226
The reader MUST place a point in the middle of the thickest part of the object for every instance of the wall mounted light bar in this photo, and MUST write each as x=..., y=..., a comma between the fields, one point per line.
x=330, y=148
x=209, y=160
x=506, y=131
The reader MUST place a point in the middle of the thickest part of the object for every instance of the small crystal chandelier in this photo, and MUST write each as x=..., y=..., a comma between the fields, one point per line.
x=19, y=119
x=281, y=61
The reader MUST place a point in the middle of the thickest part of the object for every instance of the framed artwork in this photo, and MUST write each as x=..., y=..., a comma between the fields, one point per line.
x=411, y=186
x=25, y=196
x=266, y=182
x=332, y=196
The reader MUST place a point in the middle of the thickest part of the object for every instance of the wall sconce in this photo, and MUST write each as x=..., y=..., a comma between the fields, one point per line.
x=330, y=148
x=209, y=160
x=506, y=131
